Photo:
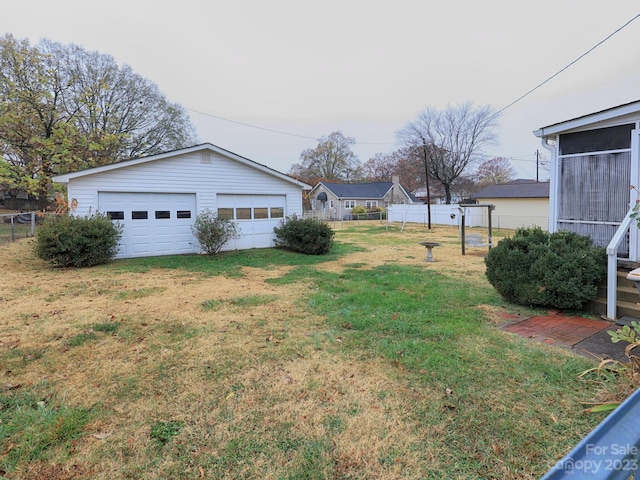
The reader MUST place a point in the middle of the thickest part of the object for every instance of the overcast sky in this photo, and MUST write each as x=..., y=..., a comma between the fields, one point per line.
x=365, y=68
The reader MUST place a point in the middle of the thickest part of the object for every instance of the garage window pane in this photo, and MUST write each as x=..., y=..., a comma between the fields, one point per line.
x=277, y=212
x=226, y=213
x=162, y=214
x=115, y=215
x=260, y=213
x=243, y=213
x=183, y=214
x=139, y=215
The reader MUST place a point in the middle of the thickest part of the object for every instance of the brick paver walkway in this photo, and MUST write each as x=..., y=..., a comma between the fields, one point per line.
x=557, y=328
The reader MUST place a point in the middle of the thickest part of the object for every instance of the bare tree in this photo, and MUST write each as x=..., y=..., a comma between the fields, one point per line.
x=380, y=168
x=331, y=160
x=450, y=140
x=495, y=171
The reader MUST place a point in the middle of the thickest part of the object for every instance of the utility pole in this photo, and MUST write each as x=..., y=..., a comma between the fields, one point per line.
x=426, y=172
x=537, y=164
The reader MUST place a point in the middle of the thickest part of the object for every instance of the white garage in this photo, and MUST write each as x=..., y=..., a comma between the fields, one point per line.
x=157, y=198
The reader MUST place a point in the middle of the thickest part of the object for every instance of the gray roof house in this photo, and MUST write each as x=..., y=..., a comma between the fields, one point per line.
x=337, y=200
x=519, y=203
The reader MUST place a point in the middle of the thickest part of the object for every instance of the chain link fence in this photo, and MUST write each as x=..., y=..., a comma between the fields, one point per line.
x=14, y=226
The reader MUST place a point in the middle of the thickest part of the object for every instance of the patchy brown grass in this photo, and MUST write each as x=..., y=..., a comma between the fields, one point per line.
x=252, y=384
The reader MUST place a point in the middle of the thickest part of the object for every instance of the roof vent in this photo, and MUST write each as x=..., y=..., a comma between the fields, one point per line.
x=205, y=157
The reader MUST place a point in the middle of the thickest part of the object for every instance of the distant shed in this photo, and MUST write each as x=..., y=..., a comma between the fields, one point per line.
x=519, y=203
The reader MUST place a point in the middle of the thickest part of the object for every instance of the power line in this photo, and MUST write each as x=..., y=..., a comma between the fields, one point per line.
x=521, y=97
x=250, y=125
x=567, y=66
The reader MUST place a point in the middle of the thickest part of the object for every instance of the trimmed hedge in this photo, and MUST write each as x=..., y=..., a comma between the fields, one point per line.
x=305, y=235
x=535, y=268
x=71, y=241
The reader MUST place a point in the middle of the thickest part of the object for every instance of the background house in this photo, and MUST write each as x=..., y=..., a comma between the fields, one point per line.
x=519, y=203
x=157, y=198
x=337, y=200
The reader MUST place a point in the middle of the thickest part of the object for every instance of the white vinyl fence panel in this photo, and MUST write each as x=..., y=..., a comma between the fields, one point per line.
x=440, y=214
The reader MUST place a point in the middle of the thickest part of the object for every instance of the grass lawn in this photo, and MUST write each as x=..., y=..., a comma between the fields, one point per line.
x=365, y=363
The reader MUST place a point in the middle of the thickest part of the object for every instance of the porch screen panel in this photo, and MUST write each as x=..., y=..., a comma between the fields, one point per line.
x=594, y=195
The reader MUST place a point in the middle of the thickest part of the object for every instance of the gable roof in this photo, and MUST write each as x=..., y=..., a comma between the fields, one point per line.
x=631, y=109
x=371, y=191
x=520, y=188
x=64, y=178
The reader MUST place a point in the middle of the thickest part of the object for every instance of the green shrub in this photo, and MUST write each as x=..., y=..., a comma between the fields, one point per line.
x=381, y=211
x=74, y=241
x=358, y=209
x=212, y=232
x=305, y=235
x=561, y=269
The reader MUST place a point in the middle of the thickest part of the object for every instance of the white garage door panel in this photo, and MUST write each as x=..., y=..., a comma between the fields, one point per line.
x=157, y=234
x=254, y=232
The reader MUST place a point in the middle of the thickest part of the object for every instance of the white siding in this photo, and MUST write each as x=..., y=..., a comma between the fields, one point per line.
x=186, y=174
x=514, y=213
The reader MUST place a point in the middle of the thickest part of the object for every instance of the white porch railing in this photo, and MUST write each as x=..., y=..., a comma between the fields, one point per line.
x=612, y=264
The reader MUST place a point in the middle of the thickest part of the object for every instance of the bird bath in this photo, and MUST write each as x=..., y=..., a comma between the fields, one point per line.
x=430, y=245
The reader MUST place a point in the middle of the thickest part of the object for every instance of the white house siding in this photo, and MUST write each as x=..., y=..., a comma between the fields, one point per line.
x=512, y=213
x=187, y=174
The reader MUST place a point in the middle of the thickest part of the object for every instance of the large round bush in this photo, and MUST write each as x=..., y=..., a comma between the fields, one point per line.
x=74, y=241
x=305, y=235
x=535, y=268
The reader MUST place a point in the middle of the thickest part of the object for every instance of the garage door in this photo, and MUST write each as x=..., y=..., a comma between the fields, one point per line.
x=153, y=223
x=255, y=215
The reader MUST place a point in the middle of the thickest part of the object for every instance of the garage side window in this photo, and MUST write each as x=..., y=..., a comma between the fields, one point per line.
x=243, y=213
x=277, y=212
x=226, y=213
x=115, y=215
x=139, y=215
x=260, y=213
x=183, y=214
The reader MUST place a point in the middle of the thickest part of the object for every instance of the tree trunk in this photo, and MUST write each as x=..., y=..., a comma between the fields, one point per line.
x=447, y=193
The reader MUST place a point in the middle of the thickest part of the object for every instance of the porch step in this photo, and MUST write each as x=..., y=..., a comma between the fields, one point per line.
x=627, y=301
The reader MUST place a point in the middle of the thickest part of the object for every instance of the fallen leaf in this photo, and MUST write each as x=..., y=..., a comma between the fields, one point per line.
x=101, y=435
x=231, y=394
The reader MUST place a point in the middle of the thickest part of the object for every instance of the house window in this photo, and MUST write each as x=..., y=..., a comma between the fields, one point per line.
x=139, y=215
x=371, y=204
x=277, y=212
x=599, y=140
x=243, y=213
x=349, y=203
x=331, y=204
x=183, y=214
x=313, y=204
x=162, y=214
x=115, y=215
